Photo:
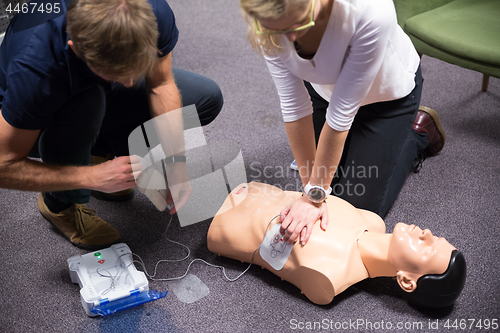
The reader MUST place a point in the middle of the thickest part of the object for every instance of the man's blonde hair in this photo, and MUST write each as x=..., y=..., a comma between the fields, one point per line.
x=266, y=44
x=116, y=37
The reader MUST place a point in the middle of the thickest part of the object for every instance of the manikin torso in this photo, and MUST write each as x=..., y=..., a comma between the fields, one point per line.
x=328, y=264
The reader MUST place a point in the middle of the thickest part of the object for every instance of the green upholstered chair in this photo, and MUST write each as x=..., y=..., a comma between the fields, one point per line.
x=465, y=33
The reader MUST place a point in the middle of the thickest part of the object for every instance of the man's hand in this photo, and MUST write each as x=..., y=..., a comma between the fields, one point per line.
x=178, y=184
x=301, y=215
x=115, y=175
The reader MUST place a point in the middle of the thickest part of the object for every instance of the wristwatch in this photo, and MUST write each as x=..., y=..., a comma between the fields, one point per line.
x=175, y=158
x=316, y=193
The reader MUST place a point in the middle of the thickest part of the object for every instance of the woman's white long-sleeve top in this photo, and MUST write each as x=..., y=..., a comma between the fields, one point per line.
x=364, y=57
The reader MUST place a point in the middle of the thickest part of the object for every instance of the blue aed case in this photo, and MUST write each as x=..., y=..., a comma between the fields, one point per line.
x=109, y=281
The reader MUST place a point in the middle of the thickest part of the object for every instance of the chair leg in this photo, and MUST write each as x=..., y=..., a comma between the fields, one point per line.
x=486, y=80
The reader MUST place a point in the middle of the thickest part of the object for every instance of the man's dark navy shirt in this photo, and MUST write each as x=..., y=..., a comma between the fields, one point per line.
x=40, y=74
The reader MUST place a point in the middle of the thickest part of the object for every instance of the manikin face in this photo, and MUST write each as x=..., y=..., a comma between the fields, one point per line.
x=418, y=251
x=293, y=18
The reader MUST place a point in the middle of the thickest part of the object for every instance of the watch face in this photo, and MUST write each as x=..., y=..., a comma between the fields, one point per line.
x=316, y=194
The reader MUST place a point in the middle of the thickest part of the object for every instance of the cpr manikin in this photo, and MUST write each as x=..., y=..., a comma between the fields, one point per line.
x=353, y=247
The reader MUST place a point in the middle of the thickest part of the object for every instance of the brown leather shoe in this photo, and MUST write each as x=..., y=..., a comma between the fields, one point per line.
x=81, y=226
x=428, y=122
x=113, y=196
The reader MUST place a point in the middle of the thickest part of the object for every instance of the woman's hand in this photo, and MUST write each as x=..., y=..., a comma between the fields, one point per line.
x=299, y=219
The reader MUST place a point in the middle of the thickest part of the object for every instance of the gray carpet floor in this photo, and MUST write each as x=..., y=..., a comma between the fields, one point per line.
x=456, y=195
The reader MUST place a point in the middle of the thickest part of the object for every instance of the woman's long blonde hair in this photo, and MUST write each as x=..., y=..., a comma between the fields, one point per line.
x=265, y=44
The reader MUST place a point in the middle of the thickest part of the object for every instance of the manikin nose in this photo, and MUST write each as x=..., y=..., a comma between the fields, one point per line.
x=426, y=235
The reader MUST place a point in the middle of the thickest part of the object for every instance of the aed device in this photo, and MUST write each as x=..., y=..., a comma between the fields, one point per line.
x=109, y=281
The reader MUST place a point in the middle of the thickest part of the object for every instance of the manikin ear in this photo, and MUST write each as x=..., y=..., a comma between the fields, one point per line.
x=406, y=281
x=70, y=43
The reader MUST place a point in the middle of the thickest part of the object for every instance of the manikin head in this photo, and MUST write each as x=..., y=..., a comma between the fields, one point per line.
x=117, y=39
x=429, y=269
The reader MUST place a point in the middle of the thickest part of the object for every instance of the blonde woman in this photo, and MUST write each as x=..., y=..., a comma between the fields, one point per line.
x=349, y=83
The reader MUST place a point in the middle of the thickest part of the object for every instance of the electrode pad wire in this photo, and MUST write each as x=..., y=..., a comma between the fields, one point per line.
x=114, y=278
x=104, y=272
x=152, y=276
x=121, y=268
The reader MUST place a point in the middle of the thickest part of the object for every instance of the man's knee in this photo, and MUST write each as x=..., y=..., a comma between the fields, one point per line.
x=200, y=91
x=212, y=106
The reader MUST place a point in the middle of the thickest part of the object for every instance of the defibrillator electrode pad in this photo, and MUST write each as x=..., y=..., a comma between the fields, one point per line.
x=274, y=250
